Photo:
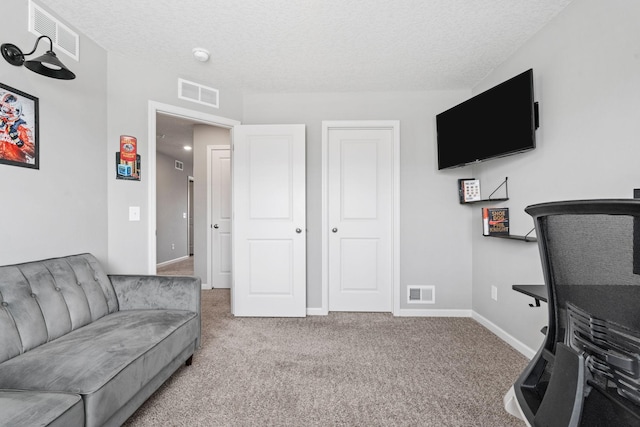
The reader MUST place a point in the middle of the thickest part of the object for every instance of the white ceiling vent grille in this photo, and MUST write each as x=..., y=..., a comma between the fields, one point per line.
x=41, y=23
x=195, y=92
x=421, y=295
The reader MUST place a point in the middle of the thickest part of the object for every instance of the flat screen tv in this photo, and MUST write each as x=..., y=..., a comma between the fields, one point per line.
x=498, y=122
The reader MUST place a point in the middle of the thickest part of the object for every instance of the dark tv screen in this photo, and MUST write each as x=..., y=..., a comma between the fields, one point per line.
x=494, y=123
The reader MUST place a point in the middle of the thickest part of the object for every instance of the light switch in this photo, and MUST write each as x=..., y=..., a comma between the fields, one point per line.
x=134, y=213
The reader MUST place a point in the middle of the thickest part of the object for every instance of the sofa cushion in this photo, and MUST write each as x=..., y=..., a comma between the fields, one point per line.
x=34, y=408
x=43, y=300
x=107, y=361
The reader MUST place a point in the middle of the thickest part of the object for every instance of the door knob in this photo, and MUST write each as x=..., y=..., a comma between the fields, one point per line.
x=335, y=230
x=215, y=226
x=298, y=230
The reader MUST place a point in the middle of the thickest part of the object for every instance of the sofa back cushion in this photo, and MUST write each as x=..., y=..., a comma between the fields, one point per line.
x=43, y=300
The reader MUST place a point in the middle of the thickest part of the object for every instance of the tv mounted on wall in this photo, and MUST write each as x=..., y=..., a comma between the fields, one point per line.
x=498, y=122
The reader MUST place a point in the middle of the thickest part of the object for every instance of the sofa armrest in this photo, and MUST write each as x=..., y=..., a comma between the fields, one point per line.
x=138, y=292
x=46, y=408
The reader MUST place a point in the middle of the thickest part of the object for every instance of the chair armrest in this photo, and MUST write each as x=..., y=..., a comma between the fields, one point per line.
x=138, y=292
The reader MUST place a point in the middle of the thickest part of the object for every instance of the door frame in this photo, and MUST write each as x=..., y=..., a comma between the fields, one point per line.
x=154, y=108
x=190, y=225
x=210, y=150
x=394, y=125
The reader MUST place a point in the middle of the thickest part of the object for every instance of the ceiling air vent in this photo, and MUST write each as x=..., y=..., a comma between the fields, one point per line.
x=195, y=92
x=41, y=23
x=422, y=295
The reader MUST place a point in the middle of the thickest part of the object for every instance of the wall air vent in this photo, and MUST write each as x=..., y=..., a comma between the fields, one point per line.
x=41, y=23
x=195, y=92
x=421, y=294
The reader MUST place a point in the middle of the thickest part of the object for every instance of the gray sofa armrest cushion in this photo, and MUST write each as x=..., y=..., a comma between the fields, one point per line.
x=140, y=292
x=36, y=408
x=137, y=292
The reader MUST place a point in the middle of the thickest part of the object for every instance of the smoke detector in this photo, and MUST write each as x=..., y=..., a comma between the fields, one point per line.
x=201, y=54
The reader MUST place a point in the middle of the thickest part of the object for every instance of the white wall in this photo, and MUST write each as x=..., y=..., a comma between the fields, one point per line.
x=132, y=84
x=586, y=65
x=435, y=244
x=61, y=208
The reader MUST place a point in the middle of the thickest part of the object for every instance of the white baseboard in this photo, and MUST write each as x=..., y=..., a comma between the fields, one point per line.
x=206, y=286
x=172, y=261
x=316, y=312
x=415, y=312
x=406, y=312
x=503, y=335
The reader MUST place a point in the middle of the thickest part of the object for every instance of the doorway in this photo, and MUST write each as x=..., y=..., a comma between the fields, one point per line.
x=360, y=225
x=194, y=117
x=190, y=217
x=174, y=170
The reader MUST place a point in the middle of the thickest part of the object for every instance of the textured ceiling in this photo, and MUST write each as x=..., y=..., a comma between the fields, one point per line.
x=172, y=134
x=311, y=45
x=316, y=45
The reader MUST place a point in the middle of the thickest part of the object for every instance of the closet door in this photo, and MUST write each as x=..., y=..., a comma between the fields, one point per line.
x=360, y=211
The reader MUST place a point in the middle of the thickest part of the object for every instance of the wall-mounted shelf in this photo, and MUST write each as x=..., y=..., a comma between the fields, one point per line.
x=486, y=201
x=516, y=237
x=525, y=238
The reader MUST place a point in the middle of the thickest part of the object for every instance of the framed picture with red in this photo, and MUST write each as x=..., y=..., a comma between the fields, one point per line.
x=19, y=139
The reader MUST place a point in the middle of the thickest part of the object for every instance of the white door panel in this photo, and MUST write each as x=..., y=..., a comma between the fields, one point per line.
x=269, y=241
x=359, y=176
x=356, y=258
x=220, y=218
x=271, y=264
x=360, y=199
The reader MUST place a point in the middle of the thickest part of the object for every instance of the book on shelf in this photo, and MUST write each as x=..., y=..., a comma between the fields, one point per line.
x=495, y=221
x=469, y=190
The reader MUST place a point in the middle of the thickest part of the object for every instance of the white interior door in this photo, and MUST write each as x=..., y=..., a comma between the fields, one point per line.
x=269, y=236
x=360, y=211
x=220, y=218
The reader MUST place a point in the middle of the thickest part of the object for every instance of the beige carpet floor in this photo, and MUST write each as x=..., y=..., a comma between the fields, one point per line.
x=344, y=369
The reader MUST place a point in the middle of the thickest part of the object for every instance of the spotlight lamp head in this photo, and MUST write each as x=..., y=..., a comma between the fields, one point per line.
x=47, y=65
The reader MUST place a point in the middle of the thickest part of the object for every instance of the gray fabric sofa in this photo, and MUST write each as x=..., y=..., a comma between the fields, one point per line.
x=79, y=347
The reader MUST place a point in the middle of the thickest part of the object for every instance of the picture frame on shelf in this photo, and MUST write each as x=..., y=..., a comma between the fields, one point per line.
x=469, y=190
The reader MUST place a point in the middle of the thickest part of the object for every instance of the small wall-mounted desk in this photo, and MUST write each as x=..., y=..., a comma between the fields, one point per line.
x=537, y=292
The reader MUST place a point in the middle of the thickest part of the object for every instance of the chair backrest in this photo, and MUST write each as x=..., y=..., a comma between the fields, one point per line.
x=590, y=253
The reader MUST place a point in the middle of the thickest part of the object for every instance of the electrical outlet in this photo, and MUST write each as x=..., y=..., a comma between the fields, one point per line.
x=494, y=293
x=173, y=246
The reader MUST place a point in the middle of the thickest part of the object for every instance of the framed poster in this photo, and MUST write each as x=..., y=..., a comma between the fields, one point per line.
x=19, y=139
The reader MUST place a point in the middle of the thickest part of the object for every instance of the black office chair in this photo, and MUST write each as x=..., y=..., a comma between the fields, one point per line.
x=587, y=372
